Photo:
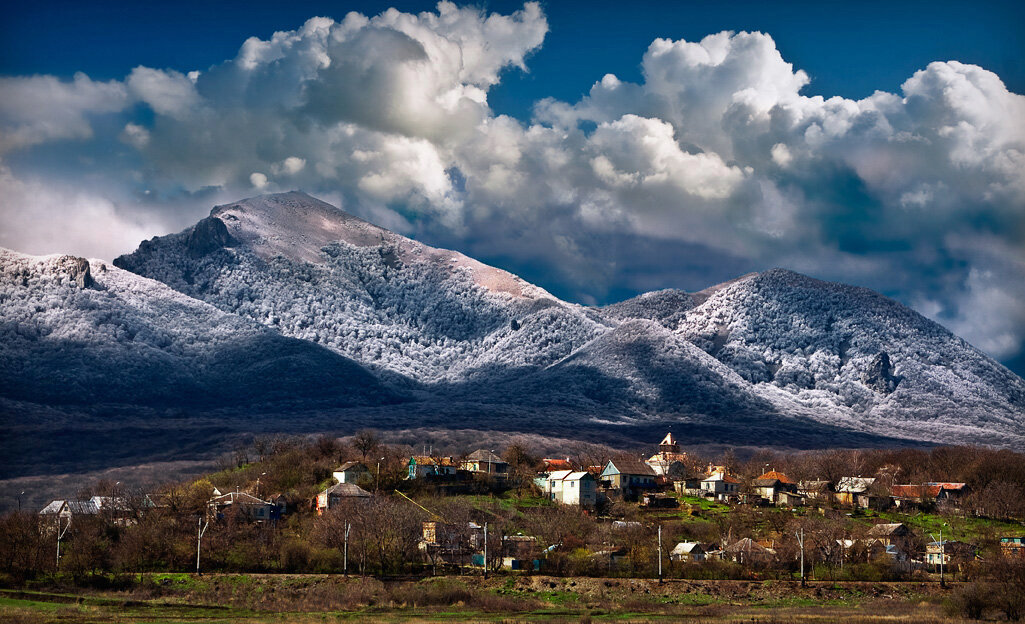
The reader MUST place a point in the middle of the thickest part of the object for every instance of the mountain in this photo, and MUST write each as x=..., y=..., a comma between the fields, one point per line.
x=774, y=350
x=81, y=332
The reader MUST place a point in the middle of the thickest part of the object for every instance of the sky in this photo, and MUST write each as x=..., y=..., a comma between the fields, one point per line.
x=596, y=150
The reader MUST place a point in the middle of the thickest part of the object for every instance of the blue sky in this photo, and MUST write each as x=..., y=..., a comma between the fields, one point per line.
x=705, y=156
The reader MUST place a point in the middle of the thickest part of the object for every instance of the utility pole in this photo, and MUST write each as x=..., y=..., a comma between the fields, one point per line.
x=485, y=550
x=19, y=500
x=60, y=536
x=377, y=482
x=800, y=540
x=345, y=549
x=660, y=554
x=262, y=475
x=943, y=555
x=200, y=530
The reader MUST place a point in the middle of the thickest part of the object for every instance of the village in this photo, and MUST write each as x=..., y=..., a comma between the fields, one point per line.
x=662, y=514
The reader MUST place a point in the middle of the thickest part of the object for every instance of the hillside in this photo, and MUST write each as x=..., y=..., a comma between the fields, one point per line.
x=776, y=349
x=81, y=332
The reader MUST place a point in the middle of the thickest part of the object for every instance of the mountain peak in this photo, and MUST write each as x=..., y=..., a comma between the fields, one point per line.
x=295, y=225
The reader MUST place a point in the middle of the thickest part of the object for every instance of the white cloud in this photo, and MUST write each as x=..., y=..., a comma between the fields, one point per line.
x=715, y=153
x=38, y=109
x=258, y=180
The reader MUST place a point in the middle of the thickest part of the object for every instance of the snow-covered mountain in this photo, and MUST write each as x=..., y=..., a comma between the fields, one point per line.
x=775, y=346
x=283, y=307
x=81, y=332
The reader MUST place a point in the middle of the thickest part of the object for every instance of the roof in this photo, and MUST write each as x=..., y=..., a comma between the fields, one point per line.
x=426, y=460
x=718, y=476
x=746, y=544
x=87, y=507
x=854, y=485
x=241, y=498
x=630, y=465
x=814, y=486
x=556, y=464
x=482, y=455
x=559, y=475
x=778, y=476
x=349, y=465
x=346, y=490
x=669, y=440
x=947, y=485
x=888, y=529
x=685, y=548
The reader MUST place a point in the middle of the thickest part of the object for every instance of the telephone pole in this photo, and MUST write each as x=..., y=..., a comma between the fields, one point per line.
x=60, y=535
x=200, y=530
x=660, y=554
x=485, y=550
x=345, y=549
x=800, y=540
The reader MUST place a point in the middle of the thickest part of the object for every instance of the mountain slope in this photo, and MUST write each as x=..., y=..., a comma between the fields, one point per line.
x=74, y=331
x=854, y=355
x=776, y=346
x=403, y=309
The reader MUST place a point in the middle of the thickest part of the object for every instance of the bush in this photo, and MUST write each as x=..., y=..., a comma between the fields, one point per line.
x=970, y=601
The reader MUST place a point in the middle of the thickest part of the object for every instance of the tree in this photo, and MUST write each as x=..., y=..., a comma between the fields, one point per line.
x=366, y=441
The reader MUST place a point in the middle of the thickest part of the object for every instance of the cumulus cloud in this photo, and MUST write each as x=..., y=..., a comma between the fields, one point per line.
x=713, y=164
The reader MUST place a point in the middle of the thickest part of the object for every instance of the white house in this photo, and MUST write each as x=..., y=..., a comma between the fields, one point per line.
x=350, y=472
x=720, y=485
x=572, y=488
x=688, y=551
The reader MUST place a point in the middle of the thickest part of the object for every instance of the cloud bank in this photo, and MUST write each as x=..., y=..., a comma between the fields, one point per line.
x=714, y=164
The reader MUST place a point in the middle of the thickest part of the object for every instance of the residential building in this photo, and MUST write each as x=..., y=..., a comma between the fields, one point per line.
x=855, y=492
x=350, y=472
x=749, y=552
x=890, y=533
x=687, y=551
x=817, y=491
x=250, y=506
x=628, y=476
x=771, y=484
x=338, y=492
x=720, y=485
x=485, y=462
x=1013, y=547
x=567, y=487
x=950, y=552
x=421, y=466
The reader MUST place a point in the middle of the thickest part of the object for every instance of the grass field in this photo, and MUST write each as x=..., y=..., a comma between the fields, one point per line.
x=169, y=598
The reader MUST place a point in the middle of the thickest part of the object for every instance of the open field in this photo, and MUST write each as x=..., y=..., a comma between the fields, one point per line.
x=254, y=599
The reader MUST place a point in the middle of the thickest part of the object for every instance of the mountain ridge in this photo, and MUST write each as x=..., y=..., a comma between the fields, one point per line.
x=391, y=330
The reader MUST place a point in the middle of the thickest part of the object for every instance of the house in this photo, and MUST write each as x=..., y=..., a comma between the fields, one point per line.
x=668, y=458
x=950, y=552
x=687, y=551
x=69, y=509
x=451, y=543
x=1013, y=547
x=658, y=501
x=771, y=484
x=519, y=553
x=628, y=476
x=746, y=551
x=251, y=507
x=549, y=464
x=350, y=472
x=854, y=492
x=817, y=491
x=720, y=485
x=572, y=488
x=791, y=499
x=485, y=462
x=421, y=466
x=113, y=509
x=889, y=533
x=334, y=495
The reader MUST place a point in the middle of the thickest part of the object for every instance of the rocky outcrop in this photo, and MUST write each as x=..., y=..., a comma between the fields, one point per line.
x=208, y=235
x=879, y=374
x=77, y=269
